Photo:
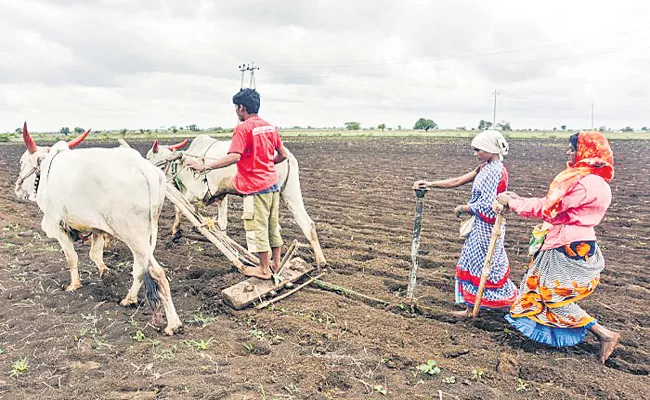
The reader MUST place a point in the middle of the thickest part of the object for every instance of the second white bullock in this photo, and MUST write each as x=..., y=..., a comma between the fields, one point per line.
x=208, y=187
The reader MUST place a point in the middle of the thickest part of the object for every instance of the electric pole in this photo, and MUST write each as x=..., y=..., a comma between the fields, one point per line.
x=494, y=114
x=248, y=67
x=592, y=116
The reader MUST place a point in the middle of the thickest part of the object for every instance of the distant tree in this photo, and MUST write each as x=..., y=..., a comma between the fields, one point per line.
x=381, y=126
x=65, y=130
x=602, y=128
x=399, y=127
x=19, y=130
x=192, y=128
x=554, y=129
x=504, y=126
x=461, y=128
x=173, y=128
x=123, y=131
x=353, y=126
x=78, y=130
x=425, y=124
x=645, y=128
x=142, y=131
x=627, y=129
x=483, y=125
x=563, y=127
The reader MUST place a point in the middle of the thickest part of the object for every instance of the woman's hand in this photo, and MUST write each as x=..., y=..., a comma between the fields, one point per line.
x=422, y=184
x=461, y=209
x=497, y=207
x=504, y=198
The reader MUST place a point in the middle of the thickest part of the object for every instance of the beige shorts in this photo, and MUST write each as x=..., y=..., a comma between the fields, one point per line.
x=261, y=222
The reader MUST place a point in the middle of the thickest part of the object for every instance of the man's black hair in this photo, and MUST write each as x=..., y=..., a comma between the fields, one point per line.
x=248, y=98
x=573, y=140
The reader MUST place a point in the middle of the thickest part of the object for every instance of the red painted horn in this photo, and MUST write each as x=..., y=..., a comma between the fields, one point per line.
x=178, y=146
x=29, y=141
x=154, y=148
x=75, y=142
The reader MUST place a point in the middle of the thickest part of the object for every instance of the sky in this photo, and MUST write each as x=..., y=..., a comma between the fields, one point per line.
x=147, y=64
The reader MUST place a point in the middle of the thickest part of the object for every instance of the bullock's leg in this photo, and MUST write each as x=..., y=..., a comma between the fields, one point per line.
x=158, y=274
x=177, y=234
x=71, y=256
x=97, y=252
x=293, y=200
x=139, y=264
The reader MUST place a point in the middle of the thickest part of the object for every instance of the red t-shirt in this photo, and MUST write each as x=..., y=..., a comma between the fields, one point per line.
x=256, y=140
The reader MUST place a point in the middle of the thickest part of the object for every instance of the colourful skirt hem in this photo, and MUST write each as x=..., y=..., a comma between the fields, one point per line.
x=551, y=336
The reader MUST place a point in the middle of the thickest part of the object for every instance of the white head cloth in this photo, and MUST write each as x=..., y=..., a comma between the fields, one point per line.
x=491, y=141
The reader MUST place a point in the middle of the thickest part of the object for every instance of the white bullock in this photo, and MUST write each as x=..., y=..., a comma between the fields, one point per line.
x=108, y=193
x=215, y=185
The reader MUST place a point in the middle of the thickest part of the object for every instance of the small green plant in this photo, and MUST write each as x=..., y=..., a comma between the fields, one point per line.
x=450, y=380
x=380, y=389
x=431, y=368
x=522, y=386
x=166, y=354
x=199, y=345
x=2, y=350
x=139, y=336
x=258, y=333
x=202, y=320
x=19, y=367
x=248, y=347
x=478, y=374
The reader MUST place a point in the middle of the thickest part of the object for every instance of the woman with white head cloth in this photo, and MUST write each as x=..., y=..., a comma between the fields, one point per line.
x=489, y=179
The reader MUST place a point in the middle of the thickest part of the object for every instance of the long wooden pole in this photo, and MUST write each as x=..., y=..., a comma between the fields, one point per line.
x=487, y=265
x=415, y=244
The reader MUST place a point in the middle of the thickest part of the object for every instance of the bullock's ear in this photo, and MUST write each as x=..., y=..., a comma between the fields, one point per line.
x=154, y=148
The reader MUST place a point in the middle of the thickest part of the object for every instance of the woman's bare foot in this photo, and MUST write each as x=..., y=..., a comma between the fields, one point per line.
x=257, y=272
x=608, y=340
x=607, y=345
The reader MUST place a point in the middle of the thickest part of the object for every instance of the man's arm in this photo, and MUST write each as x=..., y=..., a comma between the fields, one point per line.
x=281, y=156
x=227, y=160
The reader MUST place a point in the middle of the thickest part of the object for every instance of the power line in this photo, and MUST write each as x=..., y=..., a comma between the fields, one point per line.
x=444, y=57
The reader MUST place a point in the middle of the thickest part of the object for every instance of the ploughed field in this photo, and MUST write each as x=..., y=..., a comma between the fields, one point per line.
x=317, y=344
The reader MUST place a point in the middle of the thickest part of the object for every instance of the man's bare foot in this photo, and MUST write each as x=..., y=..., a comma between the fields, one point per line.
x=275, y=268
x=257, y=272
x=607, y=345
x=461, y=314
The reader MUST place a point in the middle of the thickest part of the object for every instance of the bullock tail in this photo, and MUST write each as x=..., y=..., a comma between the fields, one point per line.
x=155, y=206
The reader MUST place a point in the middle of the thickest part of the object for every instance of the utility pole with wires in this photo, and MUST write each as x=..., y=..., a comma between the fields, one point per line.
x=592, y=115
x=494, y=114
x=251, y=68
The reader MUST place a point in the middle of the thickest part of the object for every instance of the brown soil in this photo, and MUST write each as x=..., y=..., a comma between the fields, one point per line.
x=318, y=344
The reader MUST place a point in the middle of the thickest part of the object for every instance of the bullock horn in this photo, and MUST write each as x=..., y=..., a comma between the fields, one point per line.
x=178, y=146
x=75, y=142
x=154, y=148
x=29, y=141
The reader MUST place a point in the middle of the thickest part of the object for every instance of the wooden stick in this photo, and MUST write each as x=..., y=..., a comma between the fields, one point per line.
x=415, y=244
x=487, y=265
x=277, y=276
x=289, y=293
x=341, y=290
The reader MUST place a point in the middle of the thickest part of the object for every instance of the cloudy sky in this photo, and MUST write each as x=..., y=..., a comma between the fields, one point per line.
x=155, y=63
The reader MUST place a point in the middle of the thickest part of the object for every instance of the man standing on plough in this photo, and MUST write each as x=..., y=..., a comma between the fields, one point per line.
x=254, y=143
